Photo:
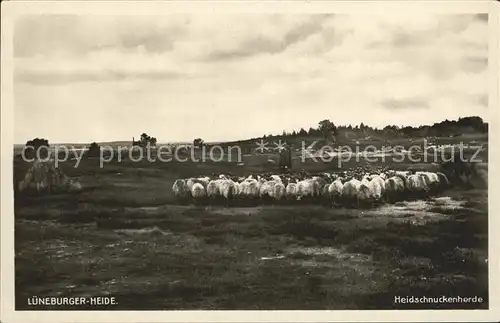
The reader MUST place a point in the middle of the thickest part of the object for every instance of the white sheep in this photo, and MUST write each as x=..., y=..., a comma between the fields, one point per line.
x=377, y=188
x=291, y=190
x=250, y=188
x=213, y=190
x=432, y=180
x=365, y=192
x=335, y=189
x=266, y=188
x=191, y=181
x=243, y=188
x=379, y=180
x=318, y=185
x=305, y=188
x=395, y=188
x=276, y=178
x=403, y=173
x=198, y=191
x=365, y=179
x=204, y=180
x=279, y=191
x=350, y=190
x=237, y=188
x=227, y=188
x=180, y=188
x=417, y=184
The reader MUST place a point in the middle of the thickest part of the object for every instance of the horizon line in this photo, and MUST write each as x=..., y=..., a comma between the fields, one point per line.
x=261, y=136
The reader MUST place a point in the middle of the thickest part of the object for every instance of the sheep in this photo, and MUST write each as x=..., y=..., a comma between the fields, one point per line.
x=253, y=189
x=279, y=191
x=276, y=178
x=335, y=190
x=417, y=185
x=204, y=180
x=213, y=189
x=191, y=181
x=266, y=189
x=236, y=188
x=365, y=193
x=305, y=188
x=380, y=179
x=362, y=187
x=249, y=188
x=318, y=185
x=402, y=173
x=227, y=189
x=180, y=189
x=198, y=193
x=377, y=188
x=274, y=189
x=350, y=190
x=370, y=189
x=395, y=188
x=365, y=179
x=243, y=188
x=291, y=190
x=432, y=180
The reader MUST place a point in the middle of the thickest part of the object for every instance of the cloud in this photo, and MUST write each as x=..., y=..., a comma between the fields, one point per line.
x=474, y=64
x=410, y=103
x=482, y=99
x=264, y=43
x=47, y=78
x=79, y=35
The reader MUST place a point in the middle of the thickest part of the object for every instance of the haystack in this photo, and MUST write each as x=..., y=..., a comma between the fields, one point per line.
x=45, y=177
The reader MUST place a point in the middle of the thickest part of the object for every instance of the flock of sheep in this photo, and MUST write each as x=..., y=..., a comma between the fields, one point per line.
x=349, y=189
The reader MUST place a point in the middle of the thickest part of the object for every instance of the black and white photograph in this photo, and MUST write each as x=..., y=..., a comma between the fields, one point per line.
x=247, y=159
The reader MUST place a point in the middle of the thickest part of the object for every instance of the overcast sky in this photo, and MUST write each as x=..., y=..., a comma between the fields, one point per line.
x=84, y=79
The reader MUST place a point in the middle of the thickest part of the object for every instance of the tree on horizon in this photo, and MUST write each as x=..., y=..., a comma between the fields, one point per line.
x=328, y=129
x=145, y=139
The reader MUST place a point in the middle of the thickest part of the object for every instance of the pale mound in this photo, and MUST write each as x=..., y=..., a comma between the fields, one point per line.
x=45, y=177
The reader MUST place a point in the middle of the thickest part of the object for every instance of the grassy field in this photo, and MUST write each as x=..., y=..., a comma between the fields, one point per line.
x=124, y=235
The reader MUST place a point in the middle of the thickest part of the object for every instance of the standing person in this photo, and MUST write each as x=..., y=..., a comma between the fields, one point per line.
x=289, y=156
x=282, y=158
x=285, y=161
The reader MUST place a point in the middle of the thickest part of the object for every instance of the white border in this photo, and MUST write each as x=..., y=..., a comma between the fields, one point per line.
x=11, y=9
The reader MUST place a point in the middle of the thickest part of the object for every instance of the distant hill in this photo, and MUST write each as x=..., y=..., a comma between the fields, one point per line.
x=349, y=133
x=102, y=143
